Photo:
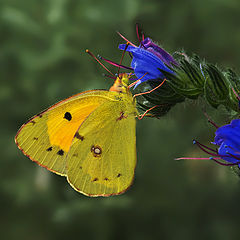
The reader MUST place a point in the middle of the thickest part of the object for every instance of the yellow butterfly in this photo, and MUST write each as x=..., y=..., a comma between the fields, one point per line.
x=89, y=138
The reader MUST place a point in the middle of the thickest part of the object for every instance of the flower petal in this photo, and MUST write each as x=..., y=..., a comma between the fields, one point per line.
x=146, y=62
x=159, y=52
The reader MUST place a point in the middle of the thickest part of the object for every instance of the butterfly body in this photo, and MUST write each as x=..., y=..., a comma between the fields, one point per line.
x=89, y=138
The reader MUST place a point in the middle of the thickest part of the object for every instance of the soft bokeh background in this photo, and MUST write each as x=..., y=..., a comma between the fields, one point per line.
x=42, y=61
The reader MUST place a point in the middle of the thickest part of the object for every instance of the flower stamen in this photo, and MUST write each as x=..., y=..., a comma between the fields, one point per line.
x=210, y=120
x=224, y=164
x=114, y=63
x=126, y=39
x=204, y=146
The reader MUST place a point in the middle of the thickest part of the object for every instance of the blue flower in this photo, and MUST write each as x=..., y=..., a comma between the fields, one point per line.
x=227, y=138
x=149, y=59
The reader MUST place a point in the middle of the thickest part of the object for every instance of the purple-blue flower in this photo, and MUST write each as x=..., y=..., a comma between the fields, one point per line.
x=149, y=59
x=228, y=139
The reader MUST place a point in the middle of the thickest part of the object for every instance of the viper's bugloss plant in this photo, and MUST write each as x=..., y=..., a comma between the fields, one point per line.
x=186, y=77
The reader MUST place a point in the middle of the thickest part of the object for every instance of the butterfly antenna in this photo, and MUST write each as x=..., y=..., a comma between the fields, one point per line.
x=92, y=55
x=109, y=76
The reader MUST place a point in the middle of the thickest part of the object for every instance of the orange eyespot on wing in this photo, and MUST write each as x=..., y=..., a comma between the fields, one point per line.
x=47, y=137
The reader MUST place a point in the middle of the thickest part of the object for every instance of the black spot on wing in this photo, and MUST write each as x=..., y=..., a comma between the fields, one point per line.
x=49, y=149
x=78, y=136
x=119, y=175
x=35, y=138
x=95, y=179
x=60, y=152
x=68, y=116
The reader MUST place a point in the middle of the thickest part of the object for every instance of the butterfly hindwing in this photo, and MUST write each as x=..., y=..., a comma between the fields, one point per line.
x=102, y=157
x=47, y=137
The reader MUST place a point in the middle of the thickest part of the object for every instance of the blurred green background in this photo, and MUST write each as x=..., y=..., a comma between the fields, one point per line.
x=43, y=60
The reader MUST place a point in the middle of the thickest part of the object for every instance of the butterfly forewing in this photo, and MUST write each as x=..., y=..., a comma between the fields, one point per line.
x=47, y=137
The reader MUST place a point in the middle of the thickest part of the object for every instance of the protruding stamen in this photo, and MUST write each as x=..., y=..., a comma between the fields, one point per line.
x=137, y=32
x=92, y=55
x=224, y=164
x=115, y=64
x=234, y=156
x=210, y=158
x=189, y=158
x=203, y=147
x=236, y=151
x=210, y=120
x=126, y=39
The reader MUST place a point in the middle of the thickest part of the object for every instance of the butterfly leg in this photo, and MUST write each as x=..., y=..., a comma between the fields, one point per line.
x=139, y=94
x=134, y=83
x=141, y=116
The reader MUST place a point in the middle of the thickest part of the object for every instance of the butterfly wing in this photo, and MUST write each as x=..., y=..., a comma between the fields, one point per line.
x=103, y=161
x=47, y=137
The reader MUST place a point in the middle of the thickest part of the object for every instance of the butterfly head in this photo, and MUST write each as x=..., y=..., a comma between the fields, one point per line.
x=121, y=83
